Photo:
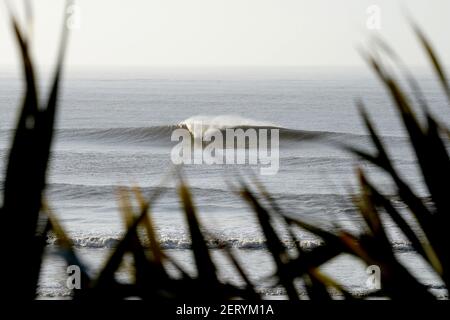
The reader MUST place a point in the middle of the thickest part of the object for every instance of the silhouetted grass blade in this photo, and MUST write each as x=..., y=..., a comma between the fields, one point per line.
x=433, y=58
x=274, y=244
x=205, y=266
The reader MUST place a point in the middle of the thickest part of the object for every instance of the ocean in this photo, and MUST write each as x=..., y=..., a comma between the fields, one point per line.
x=114, y=130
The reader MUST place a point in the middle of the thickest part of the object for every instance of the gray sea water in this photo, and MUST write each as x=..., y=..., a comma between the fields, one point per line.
x=114, y=130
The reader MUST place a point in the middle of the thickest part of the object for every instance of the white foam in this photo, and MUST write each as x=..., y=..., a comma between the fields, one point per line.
x=210, y=124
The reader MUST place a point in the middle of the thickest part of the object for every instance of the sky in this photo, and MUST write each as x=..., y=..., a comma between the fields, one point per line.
x=202, y=33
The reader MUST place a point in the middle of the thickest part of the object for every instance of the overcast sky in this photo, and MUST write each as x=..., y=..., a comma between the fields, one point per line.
x=133, y=33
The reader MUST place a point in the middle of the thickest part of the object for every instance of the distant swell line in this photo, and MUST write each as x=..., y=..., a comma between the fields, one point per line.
x=161, y=135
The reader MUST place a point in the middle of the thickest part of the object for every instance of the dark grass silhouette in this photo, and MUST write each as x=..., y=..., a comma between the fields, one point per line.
x=25, y=179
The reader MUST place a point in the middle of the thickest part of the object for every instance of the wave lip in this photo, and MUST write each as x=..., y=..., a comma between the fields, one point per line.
x=206, y=126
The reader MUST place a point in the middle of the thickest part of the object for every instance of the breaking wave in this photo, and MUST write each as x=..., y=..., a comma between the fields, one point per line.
x=183, y=243
x=161, y=135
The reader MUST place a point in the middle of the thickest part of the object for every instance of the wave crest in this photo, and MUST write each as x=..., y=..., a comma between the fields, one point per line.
x=208, y=124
